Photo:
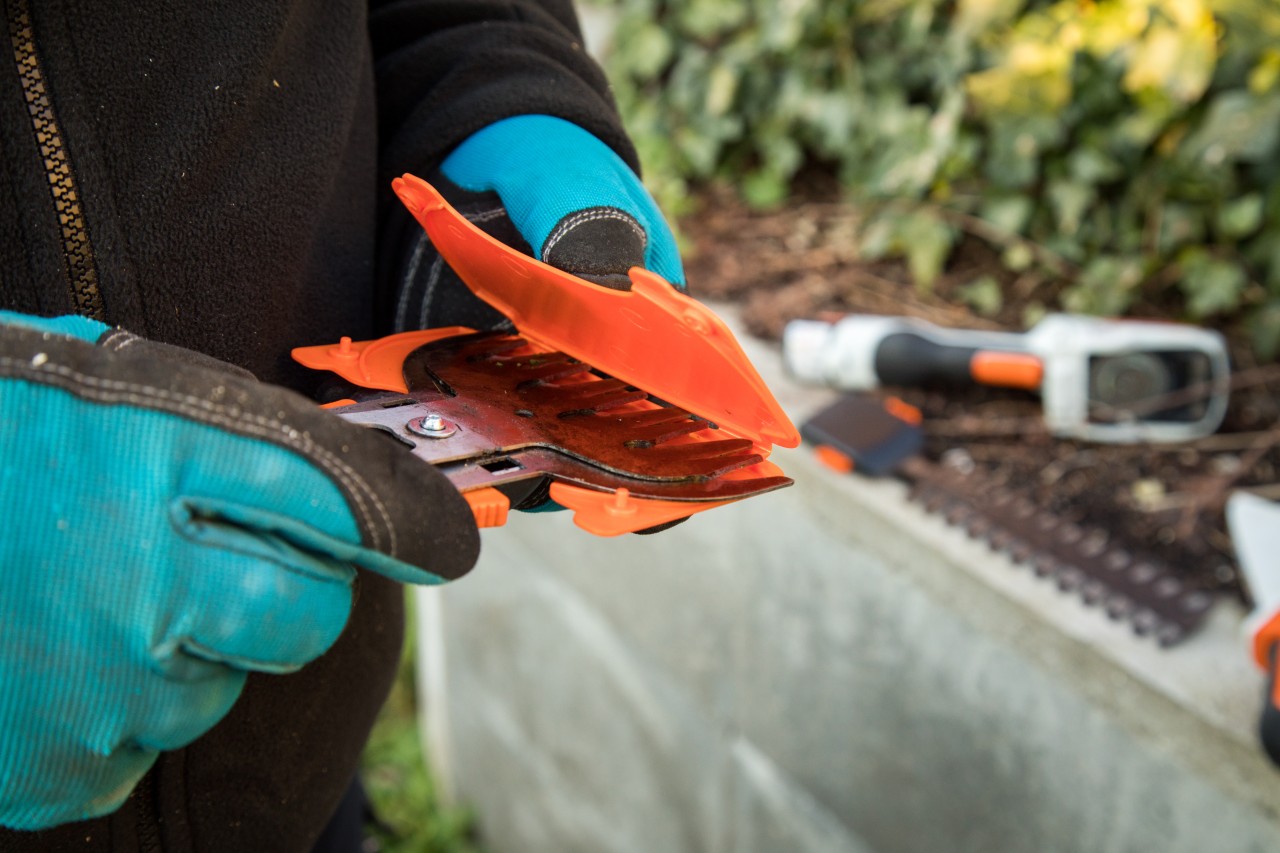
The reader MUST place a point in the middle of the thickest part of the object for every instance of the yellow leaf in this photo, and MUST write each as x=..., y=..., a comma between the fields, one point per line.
x=1115, y=26
x=1177, y=62
x=1264, y=75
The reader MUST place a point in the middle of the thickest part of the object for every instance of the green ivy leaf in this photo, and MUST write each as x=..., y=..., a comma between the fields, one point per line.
x=764, y=188
x=705, y=19
x=926, y=241
x=1240, y=217
x=983, y=295
x=1092, y=166
x=646, y=50
x=1211, y=285
x=1018, y=257
x=1107, y=286
x=1238, y=126
x=1008, y=212
x=1070, y=200
x=1264, y=330
x=1181, y=225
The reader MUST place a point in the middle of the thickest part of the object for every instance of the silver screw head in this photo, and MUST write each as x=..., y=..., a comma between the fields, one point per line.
x=431, y=426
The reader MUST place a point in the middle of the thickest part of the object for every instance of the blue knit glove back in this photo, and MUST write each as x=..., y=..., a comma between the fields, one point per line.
x=547, y=187
x=170, y=525
x=563, y=188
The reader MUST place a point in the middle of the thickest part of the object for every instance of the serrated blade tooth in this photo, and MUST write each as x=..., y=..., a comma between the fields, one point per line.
x=708, y=459
x=653, y=417
x=542, y=373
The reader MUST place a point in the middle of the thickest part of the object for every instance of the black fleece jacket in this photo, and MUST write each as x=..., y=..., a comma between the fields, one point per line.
x=215, y=175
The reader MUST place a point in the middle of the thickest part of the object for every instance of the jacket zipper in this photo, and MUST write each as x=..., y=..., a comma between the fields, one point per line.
x=148, y=821
x=77, y=251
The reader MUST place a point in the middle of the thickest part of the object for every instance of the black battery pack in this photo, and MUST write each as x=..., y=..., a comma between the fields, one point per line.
x=864, y=433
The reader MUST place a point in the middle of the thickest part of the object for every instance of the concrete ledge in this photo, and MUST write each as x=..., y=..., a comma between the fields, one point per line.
x=825, y=668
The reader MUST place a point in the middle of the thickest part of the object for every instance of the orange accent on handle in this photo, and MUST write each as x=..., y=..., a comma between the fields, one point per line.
x=1267, y=635
x=903, y=411
x=377, y=364
x=489, y=506
x=338, y=404
x=839, y=462
x=1275, y=690
x=1006, y=369
x=652, y=336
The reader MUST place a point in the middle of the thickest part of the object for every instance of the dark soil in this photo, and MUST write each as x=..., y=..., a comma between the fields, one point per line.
x=1162, y=500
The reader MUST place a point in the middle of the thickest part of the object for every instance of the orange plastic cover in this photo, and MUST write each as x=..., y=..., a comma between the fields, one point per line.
x=652, y=336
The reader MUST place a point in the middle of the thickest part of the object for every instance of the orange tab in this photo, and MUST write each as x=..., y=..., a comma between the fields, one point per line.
x=489, y=506
x=651, y=336
x=1007, y=369
x=903, y=411
x=615, y=513
x=338, y=404
x=1267, y=635
x=839, y=462
x=377, y=364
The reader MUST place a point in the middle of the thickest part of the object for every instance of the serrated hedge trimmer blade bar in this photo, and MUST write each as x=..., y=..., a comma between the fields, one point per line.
x=1082, y=560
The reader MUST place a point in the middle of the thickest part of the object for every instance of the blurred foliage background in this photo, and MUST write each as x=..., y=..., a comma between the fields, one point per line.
x=1126, y=149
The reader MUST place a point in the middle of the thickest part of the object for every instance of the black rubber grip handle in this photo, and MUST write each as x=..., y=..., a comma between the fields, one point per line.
x=908, y=359
x=1269, y=724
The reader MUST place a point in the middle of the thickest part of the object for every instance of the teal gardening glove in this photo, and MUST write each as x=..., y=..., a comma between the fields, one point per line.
x=170, y=525
x=548, y=187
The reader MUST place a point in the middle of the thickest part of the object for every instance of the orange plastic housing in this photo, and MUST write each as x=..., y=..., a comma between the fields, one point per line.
x=652, y=336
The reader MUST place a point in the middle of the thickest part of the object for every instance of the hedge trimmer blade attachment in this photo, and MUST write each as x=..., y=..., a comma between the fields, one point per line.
x=632, y=408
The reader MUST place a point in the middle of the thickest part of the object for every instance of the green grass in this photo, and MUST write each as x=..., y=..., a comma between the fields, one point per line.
x=403, y=793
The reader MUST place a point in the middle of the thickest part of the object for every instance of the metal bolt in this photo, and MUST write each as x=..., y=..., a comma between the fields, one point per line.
x=431, y=426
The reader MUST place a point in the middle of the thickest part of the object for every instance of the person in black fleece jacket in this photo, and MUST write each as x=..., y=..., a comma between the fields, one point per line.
x=215, y=176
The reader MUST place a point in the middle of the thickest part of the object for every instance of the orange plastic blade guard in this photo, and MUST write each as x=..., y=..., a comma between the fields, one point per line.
x=652, y=336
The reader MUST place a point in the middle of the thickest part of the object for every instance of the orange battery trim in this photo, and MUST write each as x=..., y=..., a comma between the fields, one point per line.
x=1275, y=692
x=839, y=462
x=903, y=411
x=1006, y=369
x=652, y=336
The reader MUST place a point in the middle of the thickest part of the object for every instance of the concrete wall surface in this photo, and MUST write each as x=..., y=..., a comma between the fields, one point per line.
x=824, y=669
